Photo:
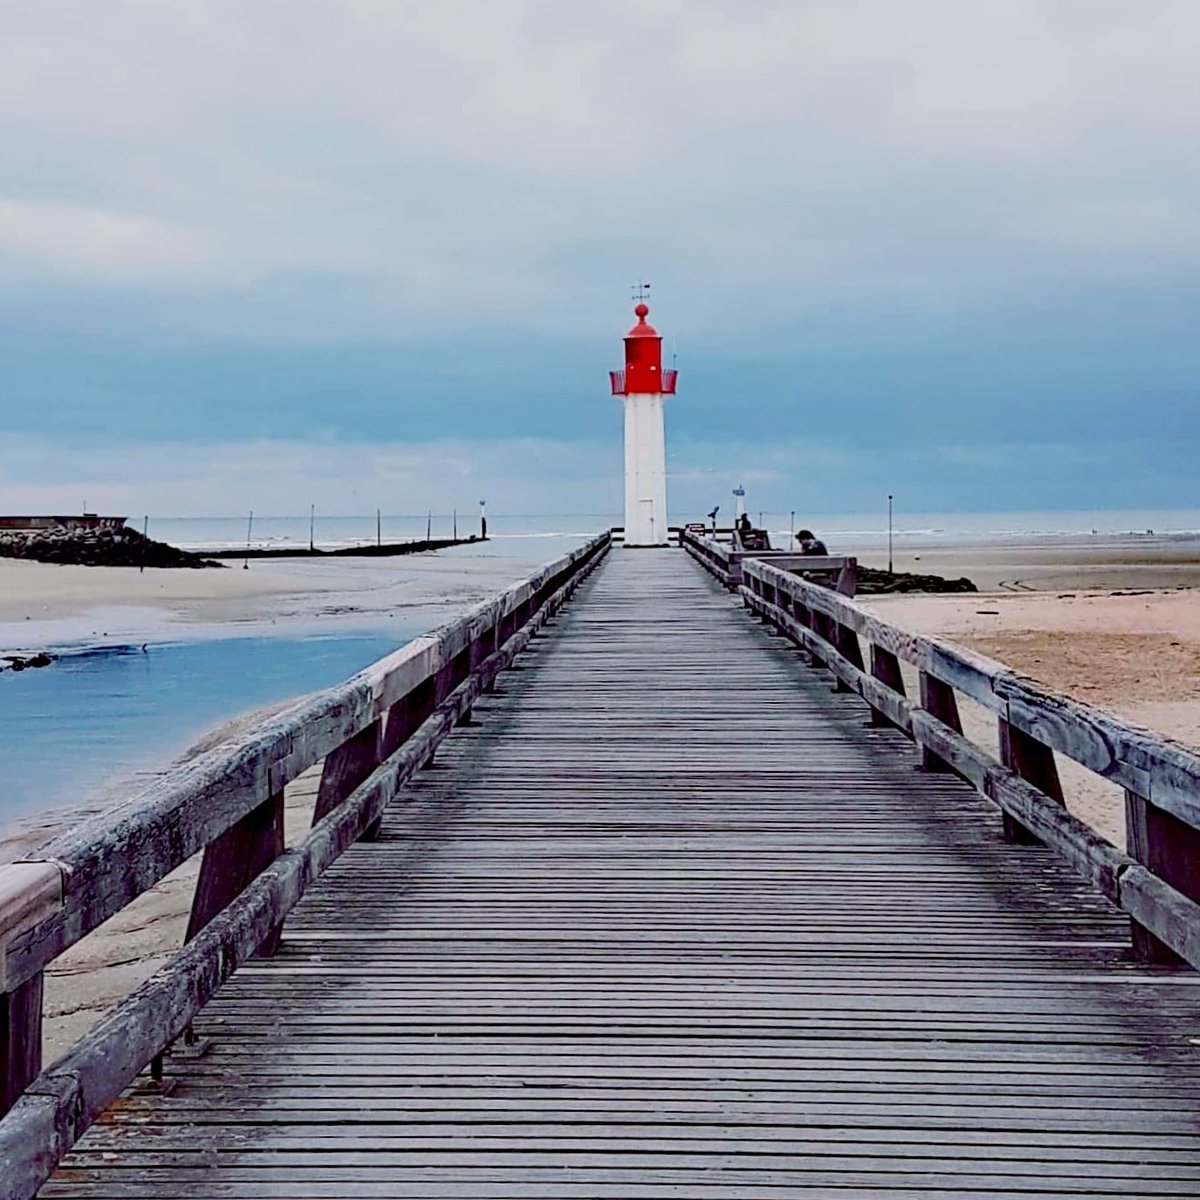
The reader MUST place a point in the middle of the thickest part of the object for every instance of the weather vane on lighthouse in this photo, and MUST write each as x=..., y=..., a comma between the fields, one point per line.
x=642, y=385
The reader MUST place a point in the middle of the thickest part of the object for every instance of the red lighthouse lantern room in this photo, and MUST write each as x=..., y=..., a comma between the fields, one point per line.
x=643, y=374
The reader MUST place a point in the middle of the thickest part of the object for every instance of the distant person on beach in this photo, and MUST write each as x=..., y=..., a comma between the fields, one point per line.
x=810, y=543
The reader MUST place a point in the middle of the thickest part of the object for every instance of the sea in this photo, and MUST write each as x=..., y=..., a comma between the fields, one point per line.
x=520, y=535
x=105, y=713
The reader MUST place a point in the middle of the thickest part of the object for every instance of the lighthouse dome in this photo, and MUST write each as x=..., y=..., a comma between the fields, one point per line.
x=642, y=329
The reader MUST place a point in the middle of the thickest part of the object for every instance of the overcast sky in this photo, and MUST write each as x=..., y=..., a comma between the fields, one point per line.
x=262, y=253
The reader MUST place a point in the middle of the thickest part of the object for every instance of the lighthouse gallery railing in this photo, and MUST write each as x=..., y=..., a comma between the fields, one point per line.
x=666, y=387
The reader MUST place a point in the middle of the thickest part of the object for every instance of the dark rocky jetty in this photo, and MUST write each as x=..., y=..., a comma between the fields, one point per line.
x=95, y=546
x=879, y=583
x=17, y=662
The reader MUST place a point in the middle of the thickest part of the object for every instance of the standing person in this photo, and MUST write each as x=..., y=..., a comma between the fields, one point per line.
x=810, y=543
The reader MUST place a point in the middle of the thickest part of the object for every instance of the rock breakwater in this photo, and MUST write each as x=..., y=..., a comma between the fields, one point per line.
x=881, y=583
x=95, y=547
x=15, y=662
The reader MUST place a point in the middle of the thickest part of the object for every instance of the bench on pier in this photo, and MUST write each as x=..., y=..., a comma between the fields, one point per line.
x=751, y=539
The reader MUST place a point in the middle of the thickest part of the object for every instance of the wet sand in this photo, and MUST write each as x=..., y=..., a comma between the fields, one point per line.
x=47, y=591
x=43, y=605
x=1103, y=562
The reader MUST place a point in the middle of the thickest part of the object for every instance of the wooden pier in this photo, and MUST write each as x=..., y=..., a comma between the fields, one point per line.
x=686, y=903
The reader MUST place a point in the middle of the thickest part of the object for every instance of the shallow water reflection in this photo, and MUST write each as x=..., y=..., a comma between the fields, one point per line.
x=68, y=728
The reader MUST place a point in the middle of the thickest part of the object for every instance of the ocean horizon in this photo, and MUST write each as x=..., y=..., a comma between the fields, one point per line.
x=511, y=533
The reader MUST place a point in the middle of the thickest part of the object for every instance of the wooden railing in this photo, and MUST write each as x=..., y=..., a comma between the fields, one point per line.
x=724, y=562
x=373, y=732
x=1156, y=881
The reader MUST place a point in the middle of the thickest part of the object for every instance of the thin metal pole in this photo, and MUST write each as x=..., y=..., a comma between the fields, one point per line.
x=429, y=525
x=312, y=521
x=249, y=527
x=890, y=568
x=456, y=524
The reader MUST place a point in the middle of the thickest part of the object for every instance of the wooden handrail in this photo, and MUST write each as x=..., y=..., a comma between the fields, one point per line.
x=1157, y=881
x=388, y=718
x=724, y=562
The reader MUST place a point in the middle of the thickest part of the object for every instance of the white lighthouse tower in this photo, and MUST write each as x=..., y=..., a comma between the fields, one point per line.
x=642, y=385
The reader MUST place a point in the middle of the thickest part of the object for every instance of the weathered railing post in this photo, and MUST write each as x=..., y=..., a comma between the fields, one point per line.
x=345, y=768
x=810, y=620
x=30, y=892
x=20, y=1039
x=234, y=859
x=847, y=580
x=1168, y=848
x=406, y=716
x=848, y=647
x=1034, y=762
x=823, y=627
x=885, y=667
x=938, y=699
x=483, y=646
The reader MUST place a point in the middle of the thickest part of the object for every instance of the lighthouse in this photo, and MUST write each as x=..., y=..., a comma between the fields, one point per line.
x=642, y=385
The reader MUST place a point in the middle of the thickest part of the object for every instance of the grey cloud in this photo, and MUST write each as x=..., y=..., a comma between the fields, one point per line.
x=474, y=158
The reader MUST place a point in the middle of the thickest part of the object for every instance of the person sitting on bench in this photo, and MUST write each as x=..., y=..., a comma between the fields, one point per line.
x=810, y=543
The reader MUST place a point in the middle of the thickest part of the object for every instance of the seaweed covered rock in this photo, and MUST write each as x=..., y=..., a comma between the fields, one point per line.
x=878, y=583
x=92, y=547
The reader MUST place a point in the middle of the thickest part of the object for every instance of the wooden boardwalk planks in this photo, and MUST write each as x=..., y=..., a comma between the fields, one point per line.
x=670, y=918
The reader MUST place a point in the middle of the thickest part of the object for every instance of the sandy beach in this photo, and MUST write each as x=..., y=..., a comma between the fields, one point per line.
x=1135, y=654
x=42, y=605
x=32, y=591
x=1103, y=562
